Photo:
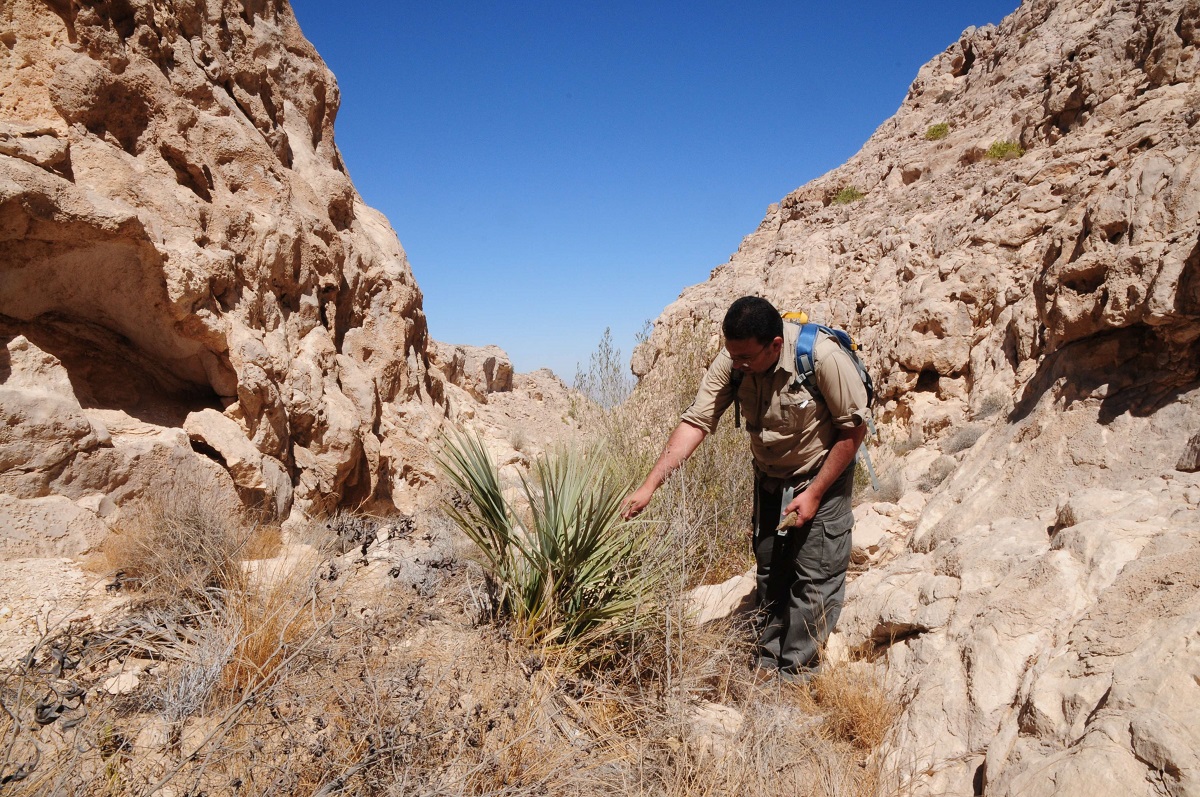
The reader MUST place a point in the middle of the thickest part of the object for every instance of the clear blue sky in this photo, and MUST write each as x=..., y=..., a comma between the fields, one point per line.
x=556, y=168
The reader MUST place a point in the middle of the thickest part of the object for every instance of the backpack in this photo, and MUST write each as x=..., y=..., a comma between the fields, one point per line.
x=806, y=341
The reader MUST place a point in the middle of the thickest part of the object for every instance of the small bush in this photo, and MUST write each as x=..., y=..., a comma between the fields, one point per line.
x=915, y=439
x=992, y=403
x=941, y=468
x=937, y=132
x=183, y=542
x=607, y=380
x=856, y=707
x=891, y=487
x=963, y=439
x=1004, y=150
x=847, y=195
x=270, y=620
x=566, y=569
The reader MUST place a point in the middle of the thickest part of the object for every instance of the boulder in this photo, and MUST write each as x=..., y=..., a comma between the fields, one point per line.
x=716, y=601
x=48, y=526
x=479, y=370
x=1189, y=461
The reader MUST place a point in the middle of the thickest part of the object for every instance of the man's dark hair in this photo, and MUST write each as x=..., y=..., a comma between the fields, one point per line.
x=752, y=317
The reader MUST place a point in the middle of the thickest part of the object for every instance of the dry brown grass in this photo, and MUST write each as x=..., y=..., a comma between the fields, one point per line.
x=182, y=542
x=712, y=491
x=854, y=704
x=274, y=614
x=284, y=678
x=389, y=694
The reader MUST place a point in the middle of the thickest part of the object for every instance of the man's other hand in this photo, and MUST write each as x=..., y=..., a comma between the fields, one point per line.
x=805, y=506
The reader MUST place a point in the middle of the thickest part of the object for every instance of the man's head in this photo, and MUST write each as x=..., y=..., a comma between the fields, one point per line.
x=753, y=332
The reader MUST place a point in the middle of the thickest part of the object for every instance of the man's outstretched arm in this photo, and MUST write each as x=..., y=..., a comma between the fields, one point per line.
x=680, y=445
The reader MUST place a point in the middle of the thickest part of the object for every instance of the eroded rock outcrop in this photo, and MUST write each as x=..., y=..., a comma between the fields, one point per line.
x=1020, y=254
x=177, y=230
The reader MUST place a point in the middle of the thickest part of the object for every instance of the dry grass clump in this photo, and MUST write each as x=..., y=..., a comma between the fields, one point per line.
x=939, y=470
x=854, y=705
x=271, y=618
x=186, y=540
x=962, y=439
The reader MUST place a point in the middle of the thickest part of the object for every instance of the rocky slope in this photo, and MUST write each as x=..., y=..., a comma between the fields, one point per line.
x=1032, y=318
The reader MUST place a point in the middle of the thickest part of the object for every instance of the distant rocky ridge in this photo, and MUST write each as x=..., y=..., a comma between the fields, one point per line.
x=1019, y=250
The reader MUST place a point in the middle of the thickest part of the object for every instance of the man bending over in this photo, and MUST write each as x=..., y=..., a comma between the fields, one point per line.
x=803, y=442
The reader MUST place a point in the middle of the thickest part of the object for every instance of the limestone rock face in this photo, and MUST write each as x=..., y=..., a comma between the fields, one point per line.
x=1022, y=267
x=178, y=231
x=479, y=370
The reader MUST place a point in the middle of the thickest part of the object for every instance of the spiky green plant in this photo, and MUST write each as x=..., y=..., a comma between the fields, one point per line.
x=565, y=568
x=937, y=132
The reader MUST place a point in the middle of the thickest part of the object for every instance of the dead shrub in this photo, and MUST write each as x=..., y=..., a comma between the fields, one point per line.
x=964, y=438
x=854, y=704
x=939, y=470
x=273, y=615
x=182, y=542
x=713, y=489
x=265, y=542
x=991, y=404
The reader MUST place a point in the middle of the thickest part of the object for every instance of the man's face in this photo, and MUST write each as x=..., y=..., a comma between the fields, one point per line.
x=754, y=357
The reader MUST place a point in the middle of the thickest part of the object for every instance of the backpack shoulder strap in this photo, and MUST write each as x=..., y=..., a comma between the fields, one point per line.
x=735, y=379
x=806, y=361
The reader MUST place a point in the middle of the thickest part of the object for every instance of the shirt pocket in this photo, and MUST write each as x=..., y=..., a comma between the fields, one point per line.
x=797, y=411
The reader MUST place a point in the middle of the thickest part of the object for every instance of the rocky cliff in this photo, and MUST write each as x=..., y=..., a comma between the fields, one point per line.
x=1018, y=248
x=183, y=249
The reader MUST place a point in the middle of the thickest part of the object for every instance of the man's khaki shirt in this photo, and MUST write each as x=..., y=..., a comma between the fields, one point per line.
x=790, y=430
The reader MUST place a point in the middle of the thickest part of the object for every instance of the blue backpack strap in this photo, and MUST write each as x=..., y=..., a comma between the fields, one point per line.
x=806, y=341
x=806, y=361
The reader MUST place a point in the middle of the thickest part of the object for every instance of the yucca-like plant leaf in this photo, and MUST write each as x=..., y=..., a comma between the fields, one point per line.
x=487, y=519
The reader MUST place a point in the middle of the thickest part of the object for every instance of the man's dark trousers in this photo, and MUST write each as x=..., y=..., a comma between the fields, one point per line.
x=801, y=575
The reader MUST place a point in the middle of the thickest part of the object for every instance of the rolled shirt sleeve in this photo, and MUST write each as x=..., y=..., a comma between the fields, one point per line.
x=714, y=395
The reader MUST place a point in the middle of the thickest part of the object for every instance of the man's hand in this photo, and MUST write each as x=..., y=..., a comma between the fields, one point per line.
x=635, y=502
x=680, y=445
x=805, y=506
x=839, y=458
